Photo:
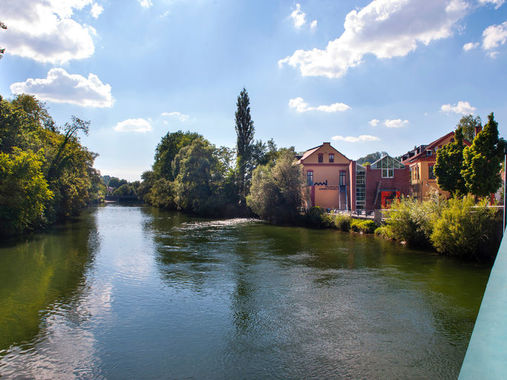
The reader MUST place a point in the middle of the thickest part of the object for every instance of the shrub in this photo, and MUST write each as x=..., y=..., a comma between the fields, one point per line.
x=412, y=221
x=326, y=220
x=464, y=229
x=385, y=232
x=364, y=226
x=342, y=222
x=314, y=216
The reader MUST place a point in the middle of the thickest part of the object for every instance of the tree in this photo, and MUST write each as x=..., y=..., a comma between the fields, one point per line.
x=482, y=161
x=167, y=150
x=24, y=192
x=276, y=193
x=449, y=164
x=468, y=124
x=244, y=131
x=194, y=182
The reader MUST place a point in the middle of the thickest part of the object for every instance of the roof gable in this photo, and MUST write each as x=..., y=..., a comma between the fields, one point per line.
x=311, y=155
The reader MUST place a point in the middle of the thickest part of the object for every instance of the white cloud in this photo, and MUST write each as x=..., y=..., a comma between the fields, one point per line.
x=178, y=115
x=384, y=28
x=313, y=24
x=494, y=36
x=470, y=45
x=145, y=3
x=43, y=30
x=354, y=139
x=395, y=123
x=96, y=10
x=133, y=125
x=301, y=106
x=298, y=17
x=61, y=87
x=463, y=108
x=374, y=122
x=497, y=3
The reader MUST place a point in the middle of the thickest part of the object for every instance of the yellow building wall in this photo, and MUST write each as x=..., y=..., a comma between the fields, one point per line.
x=327, y=197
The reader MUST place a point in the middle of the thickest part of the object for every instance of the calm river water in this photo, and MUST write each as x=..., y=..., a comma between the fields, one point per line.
x=138, y=293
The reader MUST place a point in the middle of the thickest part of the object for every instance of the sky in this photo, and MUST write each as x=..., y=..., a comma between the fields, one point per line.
x=382, y=75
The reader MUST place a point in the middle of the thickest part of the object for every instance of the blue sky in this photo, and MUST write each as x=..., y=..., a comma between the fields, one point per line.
x=365, y=75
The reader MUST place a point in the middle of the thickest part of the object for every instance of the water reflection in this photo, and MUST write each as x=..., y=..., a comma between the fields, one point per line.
x=42, y=284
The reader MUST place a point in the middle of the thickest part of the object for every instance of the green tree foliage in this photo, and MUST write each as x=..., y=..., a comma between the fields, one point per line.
x=196, y=178
x=464, y=228
x=482, y=161
x=449, y=164
x=125, y=191
x=276, y=192
x=467, y=124
x=244, y=132
x=24, y=192
x=27, y=131
x=167, y=150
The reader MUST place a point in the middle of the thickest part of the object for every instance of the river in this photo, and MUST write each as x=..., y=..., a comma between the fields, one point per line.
x=140, y=293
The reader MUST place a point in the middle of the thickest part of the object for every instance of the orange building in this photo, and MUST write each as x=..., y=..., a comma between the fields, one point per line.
x=330, y=178
x=421, y=161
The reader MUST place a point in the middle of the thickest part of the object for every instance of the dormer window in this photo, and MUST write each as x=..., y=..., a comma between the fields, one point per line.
x=321, y=157
x=428, y=153
x=331, y=157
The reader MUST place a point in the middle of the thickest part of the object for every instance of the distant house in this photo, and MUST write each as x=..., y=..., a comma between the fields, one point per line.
x=421, y=161
x=387, y=179
x=330, y=178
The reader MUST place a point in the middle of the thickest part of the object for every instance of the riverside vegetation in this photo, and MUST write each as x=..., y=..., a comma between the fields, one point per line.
x=45, y=173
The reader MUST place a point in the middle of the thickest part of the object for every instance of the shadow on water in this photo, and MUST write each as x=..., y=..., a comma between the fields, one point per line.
x=41, y=271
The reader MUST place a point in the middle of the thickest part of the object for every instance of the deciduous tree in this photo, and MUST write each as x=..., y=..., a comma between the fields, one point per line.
x=468, y=123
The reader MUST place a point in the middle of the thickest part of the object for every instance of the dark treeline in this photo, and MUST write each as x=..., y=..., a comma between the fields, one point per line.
x=45, y=173
x=193, y=175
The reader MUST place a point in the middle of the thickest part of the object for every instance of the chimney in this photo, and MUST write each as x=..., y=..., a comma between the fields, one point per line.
x=477, y=130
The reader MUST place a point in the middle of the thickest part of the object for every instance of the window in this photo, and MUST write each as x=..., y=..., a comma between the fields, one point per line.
x=360, y=188
x=431, y=172
x=342, y=177
x=309, y=178
x=387, y=165
x=415, y=173
x=331, y=157
x=428, y=153
x=321, y=157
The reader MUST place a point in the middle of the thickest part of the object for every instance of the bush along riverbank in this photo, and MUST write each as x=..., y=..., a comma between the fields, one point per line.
x=459, y=226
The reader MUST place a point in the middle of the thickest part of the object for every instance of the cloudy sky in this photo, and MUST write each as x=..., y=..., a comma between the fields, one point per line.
x=365, y=75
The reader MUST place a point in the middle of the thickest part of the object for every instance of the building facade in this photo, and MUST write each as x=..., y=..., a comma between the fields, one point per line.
x=387, y=179
x=330, y=178
x=421, y=162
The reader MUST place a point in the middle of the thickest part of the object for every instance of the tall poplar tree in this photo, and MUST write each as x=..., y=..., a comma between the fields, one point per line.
x=483, y=159
x=449, y=164
x=245, y=132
